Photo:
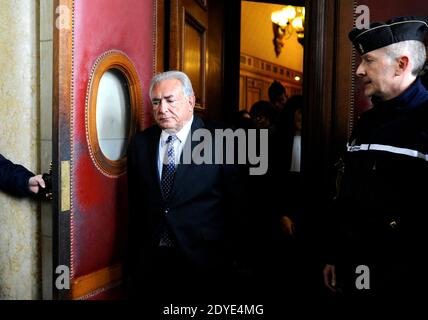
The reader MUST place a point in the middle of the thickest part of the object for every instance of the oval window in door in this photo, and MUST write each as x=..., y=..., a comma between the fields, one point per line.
x=113, y=102
x=113, y=114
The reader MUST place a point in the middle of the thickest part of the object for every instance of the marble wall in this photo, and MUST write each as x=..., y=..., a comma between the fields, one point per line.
x=20, y=230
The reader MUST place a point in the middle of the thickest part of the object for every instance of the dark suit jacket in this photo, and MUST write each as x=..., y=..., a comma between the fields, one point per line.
x=202, y=209
x=14, y=178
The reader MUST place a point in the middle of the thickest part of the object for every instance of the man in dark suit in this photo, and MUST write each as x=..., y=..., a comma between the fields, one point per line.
x=182, y=221
x=17, y=180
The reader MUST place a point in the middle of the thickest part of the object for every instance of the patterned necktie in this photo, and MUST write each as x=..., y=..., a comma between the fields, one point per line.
x=168, y=168
x=167, y=179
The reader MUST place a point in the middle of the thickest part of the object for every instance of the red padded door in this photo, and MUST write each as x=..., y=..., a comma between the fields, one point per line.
x=90, y=229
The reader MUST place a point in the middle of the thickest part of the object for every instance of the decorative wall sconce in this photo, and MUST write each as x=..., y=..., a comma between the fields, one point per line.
x=284, y=22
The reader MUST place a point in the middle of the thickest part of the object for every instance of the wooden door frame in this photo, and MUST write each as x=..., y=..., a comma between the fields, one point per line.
x=161, y=26
x=61, y=145
x=328, y=91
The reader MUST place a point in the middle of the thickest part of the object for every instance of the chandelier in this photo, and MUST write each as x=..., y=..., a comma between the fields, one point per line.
x=286, y=21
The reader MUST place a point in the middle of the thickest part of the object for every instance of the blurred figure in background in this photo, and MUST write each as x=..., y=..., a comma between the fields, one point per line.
x=277, y=96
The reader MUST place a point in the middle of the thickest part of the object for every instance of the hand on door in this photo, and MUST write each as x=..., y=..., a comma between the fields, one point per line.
x=42, y=184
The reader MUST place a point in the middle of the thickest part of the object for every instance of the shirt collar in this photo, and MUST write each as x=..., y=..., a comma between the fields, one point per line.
x=181, y=135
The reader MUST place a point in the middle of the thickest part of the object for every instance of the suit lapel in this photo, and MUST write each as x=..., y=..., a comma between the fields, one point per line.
x=153, y=158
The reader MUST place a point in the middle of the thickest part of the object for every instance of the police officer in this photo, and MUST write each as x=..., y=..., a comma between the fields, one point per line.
x=384, y=189
x=17, y=180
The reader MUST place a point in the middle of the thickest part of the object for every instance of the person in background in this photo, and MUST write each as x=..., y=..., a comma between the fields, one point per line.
x=277, y=95
x=242, y=120
x=288, y=134
x=262, y=115
x=272, y=227
x=288, y=192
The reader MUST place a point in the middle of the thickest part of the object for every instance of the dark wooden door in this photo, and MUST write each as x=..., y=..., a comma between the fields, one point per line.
x=194, y=44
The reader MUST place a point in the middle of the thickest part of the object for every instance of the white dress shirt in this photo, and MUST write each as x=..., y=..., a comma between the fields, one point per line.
x=295, y=156
x=178, y=144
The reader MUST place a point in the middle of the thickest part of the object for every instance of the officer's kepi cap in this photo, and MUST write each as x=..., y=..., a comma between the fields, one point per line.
x=381, y=34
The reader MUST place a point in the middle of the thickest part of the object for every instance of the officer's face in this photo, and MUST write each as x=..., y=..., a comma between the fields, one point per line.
x=171, y=108
x=377, y=72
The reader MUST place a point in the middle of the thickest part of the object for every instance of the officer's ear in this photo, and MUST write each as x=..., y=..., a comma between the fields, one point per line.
x=402, y=65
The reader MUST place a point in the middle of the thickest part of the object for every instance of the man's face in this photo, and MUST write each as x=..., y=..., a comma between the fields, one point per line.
x=280, y=102
x=171, y=108
x=377, y=72
x=261, y=121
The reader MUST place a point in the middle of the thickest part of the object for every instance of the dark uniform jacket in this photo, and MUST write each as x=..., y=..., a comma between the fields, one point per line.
x=14, y=178
x=382, y=203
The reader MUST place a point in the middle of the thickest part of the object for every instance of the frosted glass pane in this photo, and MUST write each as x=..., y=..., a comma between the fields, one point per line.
x=113, y=114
